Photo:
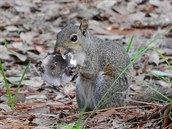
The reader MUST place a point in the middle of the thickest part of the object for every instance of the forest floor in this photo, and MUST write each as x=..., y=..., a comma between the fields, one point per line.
x=28, y=32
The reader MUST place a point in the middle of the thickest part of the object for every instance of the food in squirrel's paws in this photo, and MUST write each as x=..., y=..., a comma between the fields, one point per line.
x=56, y=70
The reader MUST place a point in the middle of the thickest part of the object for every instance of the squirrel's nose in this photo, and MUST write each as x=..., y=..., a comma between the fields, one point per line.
x=61, y=50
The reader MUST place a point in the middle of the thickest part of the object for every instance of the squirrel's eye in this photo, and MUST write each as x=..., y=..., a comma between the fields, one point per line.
x=74, y=38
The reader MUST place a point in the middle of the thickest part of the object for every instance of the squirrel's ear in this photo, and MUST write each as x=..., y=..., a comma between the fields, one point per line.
x=83, y=26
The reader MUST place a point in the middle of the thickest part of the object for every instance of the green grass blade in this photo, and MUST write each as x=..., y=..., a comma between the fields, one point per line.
x=168, y=29
x=163, y=57
x=6, y=46
x=152, y=88
x=141, y=51
x=170, y=112
x=61, y=125
x=20, y=82
x=130, y=43
x=160, y=77
x=5, y=43
x=6, y=86
x=78, y=123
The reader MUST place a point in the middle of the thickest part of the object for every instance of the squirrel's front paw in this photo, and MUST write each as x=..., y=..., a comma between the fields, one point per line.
x=70, y=71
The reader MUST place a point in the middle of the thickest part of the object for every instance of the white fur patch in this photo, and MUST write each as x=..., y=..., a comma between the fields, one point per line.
x=80, y=58
x=64, y=57
x=72, y=61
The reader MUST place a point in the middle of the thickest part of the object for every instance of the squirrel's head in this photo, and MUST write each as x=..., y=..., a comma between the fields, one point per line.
x=71, y=38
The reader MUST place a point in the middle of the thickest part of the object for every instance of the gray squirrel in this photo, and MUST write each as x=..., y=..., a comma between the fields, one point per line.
x=99, y=64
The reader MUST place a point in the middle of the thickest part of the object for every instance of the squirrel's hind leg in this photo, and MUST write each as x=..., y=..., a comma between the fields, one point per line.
x=110, y=92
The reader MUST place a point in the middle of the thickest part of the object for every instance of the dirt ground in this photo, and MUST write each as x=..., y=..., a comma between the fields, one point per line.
x=28, y=32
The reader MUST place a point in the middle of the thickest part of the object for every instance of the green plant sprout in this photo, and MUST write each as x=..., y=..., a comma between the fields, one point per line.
x=12, y=100
x=130, y=43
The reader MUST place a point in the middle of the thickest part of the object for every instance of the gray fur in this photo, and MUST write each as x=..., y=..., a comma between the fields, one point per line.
x=96, y=54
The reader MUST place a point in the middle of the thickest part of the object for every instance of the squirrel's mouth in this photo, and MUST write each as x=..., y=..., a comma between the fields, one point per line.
x=66, y=54
x=62, y=50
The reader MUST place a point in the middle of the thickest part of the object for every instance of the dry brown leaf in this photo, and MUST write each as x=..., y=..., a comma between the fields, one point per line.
x=154, y=58
x=4, y=53
x=27, y=36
